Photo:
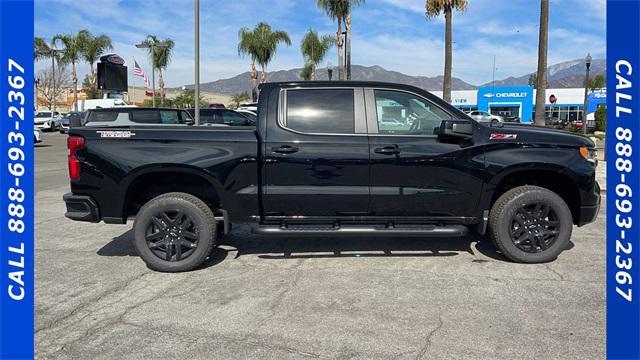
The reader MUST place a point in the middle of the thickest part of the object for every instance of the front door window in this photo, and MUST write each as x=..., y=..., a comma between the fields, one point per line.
x=401, y=113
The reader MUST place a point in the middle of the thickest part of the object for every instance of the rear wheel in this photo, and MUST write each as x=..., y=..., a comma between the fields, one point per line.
x=530, y=224
x=174, y=232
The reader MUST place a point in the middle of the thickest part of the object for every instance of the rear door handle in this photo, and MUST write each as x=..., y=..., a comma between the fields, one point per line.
x=285, y=149
x=388, y=150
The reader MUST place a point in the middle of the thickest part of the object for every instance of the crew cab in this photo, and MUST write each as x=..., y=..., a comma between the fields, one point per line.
x=320, y=163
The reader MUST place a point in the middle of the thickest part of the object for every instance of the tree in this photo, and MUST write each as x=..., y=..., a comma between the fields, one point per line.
x=88, y=87
x=533, y=79
x=160, y=57
x=187, y=100
x=266, y=42
x=71, y=55
x=601, y=119
x=347, y=25
x=41, y=50
x=597, y=82
x=306, y=72
x=541, y=85
x=314, y=49
x=434, y=8
x=337, y=10
x=92, y=48
x=47, y=92
x=237, y=99
x=247, y=45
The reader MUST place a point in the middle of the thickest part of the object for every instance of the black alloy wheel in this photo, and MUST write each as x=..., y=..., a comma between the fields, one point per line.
x=174, y=232
x=530, y=224
x=534, y=227
x=172, y=235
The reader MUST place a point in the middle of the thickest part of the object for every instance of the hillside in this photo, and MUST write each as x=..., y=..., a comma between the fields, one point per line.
x=242, y=82
x=568, y=74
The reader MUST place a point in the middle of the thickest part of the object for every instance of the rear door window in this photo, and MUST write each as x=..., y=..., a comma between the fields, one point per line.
x=145, y=116
x=102, y=116
x=208, y=116
x=324, y=111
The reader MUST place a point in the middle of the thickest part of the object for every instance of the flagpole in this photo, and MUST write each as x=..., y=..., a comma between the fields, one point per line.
x=134, y=81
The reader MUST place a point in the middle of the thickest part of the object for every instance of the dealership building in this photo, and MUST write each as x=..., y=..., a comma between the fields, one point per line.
x=519, y=101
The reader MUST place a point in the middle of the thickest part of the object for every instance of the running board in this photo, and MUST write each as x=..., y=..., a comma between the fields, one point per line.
x=362, y=230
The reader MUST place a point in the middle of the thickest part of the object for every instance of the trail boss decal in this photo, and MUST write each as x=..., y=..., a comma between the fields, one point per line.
x=496, y=136
x=115, y=134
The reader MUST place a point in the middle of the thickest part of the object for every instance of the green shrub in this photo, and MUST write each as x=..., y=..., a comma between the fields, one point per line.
x=601, y=119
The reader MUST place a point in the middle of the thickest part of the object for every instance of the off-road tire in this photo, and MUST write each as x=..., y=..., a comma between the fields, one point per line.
x=197, y=211
x=501, y=217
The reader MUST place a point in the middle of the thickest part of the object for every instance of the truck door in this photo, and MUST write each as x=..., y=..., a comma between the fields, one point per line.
x=316, y=155
x=412, y=172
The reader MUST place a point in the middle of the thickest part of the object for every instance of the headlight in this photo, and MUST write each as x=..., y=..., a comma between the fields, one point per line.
x=590, y=154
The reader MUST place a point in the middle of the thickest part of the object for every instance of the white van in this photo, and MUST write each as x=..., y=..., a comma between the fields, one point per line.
x=90, y=104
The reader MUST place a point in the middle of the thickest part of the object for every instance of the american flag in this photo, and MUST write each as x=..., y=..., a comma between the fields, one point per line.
x=137, y=71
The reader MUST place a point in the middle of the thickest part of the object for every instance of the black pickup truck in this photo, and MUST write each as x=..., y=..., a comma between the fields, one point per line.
x=336, y=158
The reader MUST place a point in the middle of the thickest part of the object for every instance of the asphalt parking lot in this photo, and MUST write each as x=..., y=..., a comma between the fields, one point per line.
x=256, y=297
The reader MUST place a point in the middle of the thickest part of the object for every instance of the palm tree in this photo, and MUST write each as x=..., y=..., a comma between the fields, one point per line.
x=541, y=84
x=305, y=73
x=160, y=54
x=338, y=10
x=314, y=49
x=41, y=50
x=347, y=25
x=237, y=99
x=434, y=8
x=71, y=55
x=247, y=46
x=92, y=48
x=267, y=42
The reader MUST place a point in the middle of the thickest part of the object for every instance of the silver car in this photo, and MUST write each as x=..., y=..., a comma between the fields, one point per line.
x=136, y=117
x=479, y=115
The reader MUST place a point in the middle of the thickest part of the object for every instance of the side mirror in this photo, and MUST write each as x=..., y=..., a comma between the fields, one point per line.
x=456, y=128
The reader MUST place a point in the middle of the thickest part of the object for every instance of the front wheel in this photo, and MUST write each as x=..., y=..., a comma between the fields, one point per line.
x=530, y=224
x=174, y=232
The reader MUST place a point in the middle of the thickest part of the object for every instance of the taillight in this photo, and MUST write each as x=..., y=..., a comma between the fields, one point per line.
x=74, y=143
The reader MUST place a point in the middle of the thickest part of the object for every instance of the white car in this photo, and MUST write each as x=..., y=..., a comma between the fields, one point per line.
x=252, y=107
x=89, y=104
x=37, y=136
x=484, y=116
x=46, y=120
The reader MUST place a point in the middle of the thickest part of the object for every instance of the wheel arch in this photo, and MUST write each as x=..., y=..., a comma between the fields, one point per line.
x=553, y=177
x=149, y=181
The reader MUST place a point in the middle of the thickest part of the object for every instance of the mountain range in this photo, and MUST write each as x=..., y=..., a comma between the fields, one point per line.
x=563, y=75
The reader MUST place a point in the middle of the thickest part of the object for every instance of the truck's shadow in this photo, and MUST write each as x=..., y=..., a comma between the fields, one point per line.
x=282, y=248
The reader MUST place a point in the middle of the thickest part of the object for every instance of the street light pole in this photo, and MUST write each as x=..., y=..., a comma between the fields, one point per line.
x=54, y=53
x=587, y=62
x=36, y=82
x=53, y=79
x=197, y=56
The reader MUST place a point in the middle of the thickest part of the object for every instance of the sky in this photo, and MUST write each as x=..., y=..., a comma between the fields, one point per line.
x=393, y=34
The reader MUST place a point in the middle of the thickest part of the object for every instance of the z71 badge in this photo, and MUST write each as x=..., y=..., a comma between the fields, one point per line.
x=115, y=134
x=496, y=136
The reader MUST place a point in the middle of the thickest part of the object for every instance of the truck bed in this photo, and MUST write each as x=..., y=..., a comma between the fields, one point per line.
x=114, y=157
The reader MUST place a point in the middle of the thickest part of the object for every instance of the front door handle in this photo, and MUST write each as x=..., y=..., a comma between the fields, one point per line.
x=285, y=149
x=388, y=150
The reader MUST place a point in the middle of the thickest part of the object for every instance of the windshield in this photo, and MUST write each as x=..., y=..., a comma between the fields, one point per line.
x=43, y=115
